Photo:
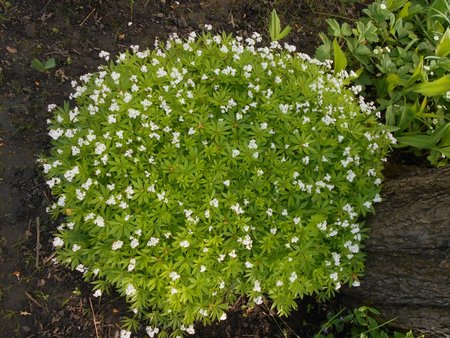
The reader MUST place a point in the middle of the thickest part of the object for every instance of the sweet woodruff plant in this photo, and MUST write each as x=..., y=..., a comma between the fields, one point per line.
x=208, y=169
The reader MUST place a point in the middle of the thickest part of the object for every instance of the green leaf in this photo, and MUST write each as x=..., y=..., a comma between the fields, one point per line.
x=324, y=51
x=394, y=5
x=445, y=151
x=37, y=65
x=418, y=72
x=392, y=81
x=405, y=11
x=274, y=25
x=340, y=61
x=443, y=48
x=50, y=63
x=346, y=30
x=425, y=141
x=390, y=116
x=435, y=88
x=284, y=33
x=335, y=28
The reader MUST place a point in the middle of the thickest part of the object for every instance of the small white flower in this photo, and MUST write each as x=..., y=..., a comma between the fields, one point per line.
x=223, y=316
x=190, y=329
x=350, y=176
x=76, y=247
x=237, y=209
x=152, y=332
x=227, y=183
x=334, y=276
x=214, y=202
x=97, y=293
x=293, y=277
x=81, y=268
x=252, y=144
x=377, y=199
x=174, y=276
x=125, y=334
x=99, y=221
x=132, y=264
x=184, y=244
x=235, y=153
x=58, y=242
x=117, y=245
x=130, y=290
x=257, y=286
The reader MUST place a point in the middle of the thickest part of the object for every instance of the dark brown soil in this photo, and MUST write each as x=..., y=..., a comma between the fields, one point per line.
x=39, y=299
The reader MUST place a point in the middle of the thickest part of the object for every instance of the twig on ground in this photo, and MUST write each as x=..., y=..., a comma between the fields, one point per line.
x=82, y=23
x=30, y=297
x=93, y=317
x=45, y=261
x=38, y=240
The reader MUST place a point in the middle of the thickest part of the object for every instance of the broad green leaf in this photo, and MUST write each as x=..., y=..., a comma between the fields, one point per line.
x=443, y=48
x=367, y=31
x=37, y=65
x=426, y=141
x=346, y=30
x=335, y=28
x=417, y=141
x=274, y=25
x=392, y=81
x=394, y=5
x=417, y=72
x=50, y=63
x=435, y=88
x=408, y=115
x=437, y=15
x=445, y=151
x=441, y=133
x=390, y=116
x=405, y=11
x=284, y=33
x=340, y=61
x=323, y=52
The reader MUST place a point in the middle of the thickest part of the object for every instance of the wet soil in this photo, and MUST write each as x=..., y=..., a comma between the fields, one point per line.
x=38, y=298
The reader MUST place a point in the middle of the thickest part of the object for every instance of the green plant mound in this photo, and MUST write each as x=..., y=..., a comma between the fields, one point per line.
x=209, y=169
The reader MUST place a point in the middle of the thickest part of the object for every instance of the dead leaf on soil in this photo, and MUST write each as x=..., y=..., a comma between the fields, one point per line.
x=25, y=313
x=61, y=75
x=17, y=274
x=11, y=50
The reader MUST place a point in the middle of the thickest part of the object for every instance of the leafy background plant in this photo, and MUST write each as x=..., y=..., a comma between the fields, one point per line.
x=359, y=322
x=208, y=169
x=400, y=50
